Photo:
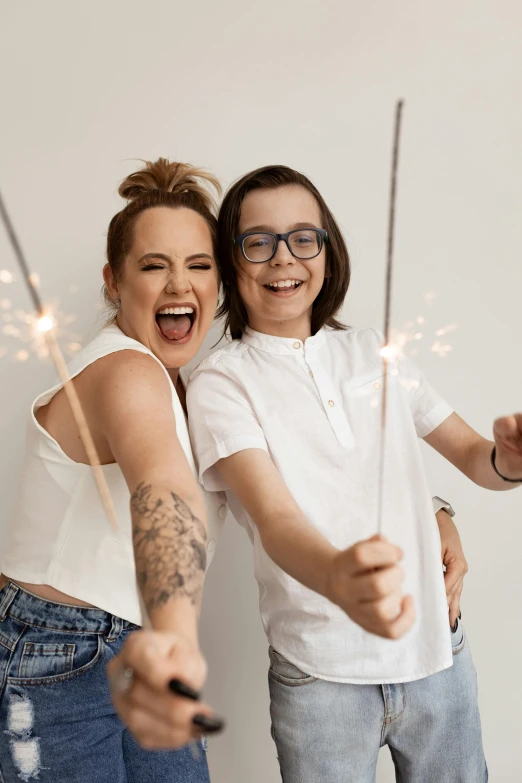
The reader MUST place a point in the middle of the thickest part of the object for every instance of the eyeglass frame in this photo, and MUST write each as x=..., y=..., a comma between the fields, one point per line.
x=323, y=234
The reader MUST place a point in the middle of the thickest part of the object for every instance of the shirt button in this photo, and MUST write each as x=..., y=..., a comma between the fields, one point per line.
x=331, y=403
x=297, y=345
x=376, y=385
x=222, y=511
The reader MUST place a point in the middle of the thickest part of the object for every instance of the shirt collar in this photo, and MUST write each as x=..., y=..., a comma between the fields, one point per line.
x=281, y=345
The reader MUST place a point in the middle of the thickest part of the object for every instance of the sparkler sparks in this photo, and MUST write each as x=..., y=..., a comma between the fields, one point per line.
x=389, y=352
x=30, y=330
x=403, y=341
x=47, y=331
x=45, y=323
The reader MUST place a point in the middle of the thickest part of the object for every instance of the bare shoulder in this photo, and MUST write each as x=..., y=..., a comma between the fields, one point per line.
x=124, y=386
x=126, y=374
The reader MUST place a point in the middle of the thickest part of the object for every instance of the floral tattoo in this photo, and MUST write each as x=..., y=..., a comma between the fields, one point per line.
x=169, y=547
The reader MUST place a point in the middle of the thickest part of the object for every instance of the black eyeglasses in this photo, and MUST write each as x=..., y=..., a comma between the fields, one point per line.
x=261, y=246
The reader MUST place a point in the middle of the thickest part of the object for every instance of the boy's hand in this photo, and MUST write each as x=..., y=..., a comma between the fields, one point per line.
x=365, y=582
x=507, y=432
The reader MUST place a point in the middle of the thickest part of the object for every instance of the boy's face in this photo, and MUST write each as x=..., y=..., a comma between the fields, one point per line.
x=285, y=312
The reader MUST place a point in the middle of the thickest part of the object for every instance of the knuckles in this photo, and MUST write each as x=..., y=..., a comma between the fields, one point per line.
x=359, y=556
x=385, y=583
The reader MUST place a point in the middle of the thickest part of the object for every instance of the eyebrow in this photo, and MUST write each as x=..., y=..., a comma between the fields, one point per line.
x=164, y=257
x=270, y=229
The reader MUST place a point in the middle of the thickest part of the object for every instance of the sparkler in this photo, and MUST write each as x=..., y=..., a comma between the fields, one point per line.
x=23, y=326
x=388, y=351
x=45, y=325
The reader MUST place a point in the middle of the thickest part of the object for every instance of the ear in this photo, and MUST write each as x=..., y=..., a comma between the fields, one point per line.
x=110, y=282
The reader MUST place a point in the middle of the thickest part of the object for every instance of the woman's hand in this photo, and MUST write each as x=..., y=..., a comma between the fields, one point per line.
x=365, y=581
x=507, y=432
x=454, y=561
x=139, y=677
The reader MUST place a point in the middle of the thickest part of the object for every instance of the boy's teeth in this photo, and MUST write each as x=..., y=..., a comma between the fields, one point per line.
x=284, y=284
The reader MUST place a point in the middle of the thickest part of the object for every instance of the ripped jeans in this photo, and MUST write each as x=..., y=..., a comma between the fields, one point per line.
x=57, y=722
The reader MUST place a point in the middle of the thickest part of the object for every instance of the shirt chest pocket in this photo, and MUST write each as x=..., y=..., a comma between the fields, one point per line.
x=362, y=401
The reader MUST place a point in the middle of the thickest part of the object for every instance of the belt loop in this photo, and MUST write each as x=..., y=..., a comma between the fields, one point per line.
x=7, y=599
x=116, y=628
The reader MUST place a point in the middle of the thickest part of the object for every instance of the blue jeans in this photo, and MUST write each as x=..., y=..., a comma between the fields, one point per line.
x=332, y=732
x=57, y=722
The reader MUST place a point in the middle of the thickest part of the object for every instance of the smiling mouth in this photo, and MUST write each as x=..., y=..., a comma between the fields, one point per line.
x=176, y=323
x=283, y=286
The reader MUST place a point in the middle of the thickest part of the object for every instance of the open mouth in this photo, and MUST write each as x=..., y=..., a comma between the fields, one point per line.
x=283, y=286
x=176, y=322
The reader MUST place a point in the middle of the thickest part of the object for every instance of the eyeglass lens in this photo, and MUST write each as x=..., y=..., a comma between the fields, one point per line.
x=304, y=243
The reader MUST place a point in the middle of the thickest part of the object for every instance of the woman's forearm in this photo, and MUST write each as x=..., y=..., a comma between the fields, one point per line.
x=169, y=537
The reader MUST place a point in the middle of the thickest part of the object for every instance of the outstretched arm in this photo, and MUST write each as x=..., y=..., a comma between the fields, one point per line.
x=167, y=509
x=364, y=580
x=471, y=453
x=134, y=412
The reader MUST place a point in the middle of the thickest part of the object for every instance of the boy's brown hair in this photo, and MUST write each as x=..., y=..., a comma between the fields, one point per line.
x=337, y=279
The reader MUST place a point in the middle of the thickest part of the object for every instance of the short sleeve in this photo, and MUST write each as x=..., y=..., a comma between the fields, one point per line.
x=428, y=408
x=222, y=422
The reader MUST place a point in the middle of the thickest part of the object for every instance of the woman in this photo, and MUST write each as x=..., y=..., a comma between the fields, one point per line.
x=68, y=598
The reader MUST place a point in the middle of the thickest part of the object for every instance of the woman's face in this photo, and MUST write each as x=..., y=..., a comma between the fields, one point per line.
x=168, y=288
x=285, y=312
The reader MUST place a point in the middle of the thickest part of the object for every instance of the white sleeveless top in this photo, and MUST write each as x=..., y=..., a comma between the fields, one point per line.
x=59, y=533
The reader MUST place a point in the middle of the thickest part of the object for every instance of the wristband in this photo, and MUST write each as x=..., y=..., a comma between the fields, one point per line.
x=439, y=504
x=504, y=478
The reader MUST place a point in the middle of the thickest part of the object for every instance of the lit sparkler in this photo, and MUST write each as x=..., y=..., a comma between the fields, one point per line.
x=25, y=327
x=403, y=341
x=387, y=351
x=45, y=326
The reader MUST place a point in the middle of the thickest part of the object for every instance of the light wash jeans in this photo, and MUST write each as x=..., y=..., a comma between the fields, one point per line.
x=57, y=722
x=328, y=732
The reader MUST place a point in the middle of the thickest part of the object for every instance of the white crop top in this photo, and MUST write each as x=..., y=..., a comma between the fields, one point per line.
x=59, y=533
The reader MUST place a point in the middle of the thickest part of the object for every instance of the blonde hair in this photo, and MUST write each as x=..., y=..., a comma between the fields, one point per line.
x=161, y=183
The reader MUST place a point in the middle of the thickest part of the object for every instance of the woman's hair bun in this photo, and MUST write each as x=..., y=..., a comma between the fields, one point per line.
x=170, y=177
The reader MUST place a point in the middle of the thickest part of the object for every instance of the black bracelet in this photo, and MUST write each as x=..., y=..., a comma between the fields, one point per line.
x=505, y=478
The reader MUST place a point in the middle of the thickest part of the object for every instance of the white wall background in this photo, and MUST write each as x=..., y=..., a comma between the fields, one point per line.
x=234, y=85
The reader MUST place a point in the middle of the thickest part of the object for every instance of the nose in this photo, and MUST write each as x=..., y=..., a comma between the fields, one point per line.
x=178, y=282
x=283, y=256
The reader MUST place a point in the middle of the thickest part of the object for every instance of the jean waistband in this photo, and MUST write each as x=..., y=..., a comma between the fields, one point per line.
x=32, y=610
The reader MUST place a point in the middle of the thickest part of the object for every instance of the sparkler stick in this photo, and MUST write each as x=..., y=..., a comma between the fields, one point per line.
x=387, y=350
x=45, y=325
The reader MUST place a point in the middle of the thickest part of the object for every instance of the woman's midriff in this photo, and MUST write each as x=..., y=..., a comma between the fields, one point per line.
x=46, y=592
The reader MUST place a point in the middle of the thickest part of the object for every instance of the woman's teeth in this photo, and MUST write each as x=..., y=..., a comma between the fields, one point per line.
x=283, y=284
x=175, y=311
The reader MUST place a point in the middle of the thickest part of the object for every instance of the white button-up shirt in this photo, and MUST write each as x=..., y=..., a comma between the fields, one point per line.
x=315, y=407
